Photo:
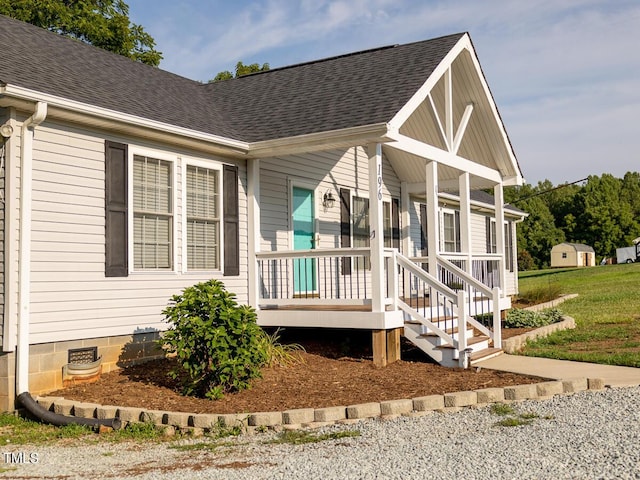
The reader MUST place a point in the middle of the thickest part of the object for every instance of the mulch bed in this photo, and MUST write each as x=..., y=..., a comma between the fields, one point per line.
x=330, y=373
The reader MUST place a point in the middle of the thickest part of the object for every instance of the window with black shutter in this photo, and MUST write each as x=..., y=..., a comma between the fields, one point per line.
x=231, y=221
x=116, y=215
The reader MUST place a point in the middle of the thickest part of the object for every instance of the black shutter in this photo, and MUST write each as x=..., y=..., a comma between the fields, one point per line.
x=231, y=220
x=116, y=218
x=395, y=223
x=457, y=227
x=424, y=243
x=345, y=227
x=488, y=237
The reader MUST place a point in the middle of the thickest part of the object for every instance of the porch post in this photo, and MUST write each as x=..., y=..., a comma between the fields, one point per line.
x=405, y=219
x=376, y=228
x=433, y=225
x=498, y=194
x=465, y=219
x=254, y=237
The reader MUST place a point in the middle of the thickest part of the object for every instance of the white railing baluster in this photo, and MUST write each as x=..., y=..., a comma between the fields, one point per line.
x=497, y=320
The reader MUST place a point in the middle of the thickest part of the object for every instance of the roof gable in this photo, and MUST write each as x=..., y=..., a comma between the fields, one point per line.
x=363, y=88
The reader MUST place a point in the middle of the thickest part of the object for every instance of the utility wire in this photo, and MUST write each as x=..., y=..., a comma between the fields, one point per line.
x=550, y=190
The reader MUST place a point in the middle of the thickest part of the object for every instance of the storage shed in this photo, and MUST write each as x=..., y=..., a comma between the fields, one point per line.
x=572, y=255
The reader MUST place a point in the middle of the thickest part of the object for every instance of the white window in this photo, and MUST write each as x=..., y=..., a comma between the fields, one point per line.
x=492, y=236
x=387, y=221
x=360, y=229
x=152, y=214
x=451, y=231
x=203, y=202
x=509, y=253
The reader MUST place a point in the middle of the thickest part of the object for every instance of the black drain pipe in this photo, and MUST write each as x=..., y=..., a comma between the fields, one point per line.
x=35, y=409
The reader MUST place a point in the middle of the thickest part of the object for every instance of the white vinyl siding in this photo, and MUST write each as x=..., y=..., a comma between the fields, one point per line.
x=70, y=296
x=203, y=218
x=152, y=214
x=329, y=171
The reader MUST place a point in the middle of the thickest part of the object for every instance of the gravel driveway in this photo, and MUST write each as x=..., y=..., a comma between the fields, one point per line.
x=583, y=436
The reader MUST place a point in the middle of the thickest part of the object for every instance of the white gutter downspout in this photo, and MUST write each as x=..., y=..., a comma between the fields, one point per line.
x=26, y=175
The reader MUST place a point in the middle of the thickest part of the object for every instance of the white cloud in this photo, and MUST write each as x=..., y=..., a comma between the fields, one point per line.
x=564, y=74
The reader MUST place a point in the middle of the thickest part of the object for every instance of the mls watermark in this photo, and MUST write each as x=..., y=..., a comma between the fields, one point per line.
x=20, y=457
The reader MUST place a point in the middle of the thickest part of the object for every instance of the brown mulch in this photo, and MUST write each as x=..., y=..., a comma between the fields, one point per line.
x=330, y=373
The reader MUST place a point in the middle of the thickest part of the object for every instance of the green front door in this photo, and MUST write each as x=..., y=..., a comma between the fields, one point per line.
x=304, y=270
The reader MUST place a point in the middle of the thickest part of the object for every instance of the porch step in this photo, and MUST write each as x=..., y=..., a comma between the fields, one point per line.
x=436, y=321
x=486, y=354
x=470, y=342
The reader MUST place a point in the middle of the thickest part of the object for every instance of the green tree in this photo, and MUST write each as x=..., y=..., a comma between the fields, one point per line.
x=241, y=69
x=538, y=232
x=101, y=23
x=604, y=219
x=631, y=192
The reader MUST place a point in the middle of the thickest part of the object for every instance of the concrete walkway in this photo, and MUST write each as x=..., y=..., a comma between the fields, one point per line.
x=614, y=376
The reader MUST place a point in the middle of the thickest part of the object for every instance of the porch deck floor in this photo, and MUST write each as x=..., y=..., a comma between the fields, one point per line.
x=323, y=307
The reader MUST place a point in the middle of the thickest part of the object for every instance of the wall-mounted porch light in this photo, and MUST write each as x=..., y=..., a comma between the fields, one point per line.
x=328, y=200
x=6, y=131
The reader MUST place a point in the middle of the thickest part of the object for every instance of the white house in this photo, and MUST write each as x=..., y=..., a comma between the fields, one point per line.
x=345, y=192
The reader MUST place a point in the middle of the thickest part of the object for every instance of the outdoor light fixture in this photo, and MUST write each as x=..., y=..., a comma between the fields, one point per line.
x=6, y=130
x=328, y=200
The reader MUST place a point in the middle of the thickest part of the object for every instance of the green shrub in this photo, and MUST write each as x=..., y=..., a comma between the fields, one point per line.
x=218, y=345
x=540, y=294
x=517, y=318
x=278, y=354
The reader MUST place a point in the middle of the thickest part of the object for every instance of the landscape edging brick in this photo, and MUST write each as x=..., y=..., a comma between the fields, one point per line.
x=330, y=415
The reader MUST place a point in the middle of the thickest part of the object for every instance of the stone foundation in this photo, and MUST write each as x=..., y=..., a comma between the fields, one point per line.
x=47, y=359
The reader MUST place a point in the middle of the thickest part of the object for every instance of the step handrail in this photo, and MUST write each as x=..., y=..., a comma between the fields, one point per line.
x=478, y=285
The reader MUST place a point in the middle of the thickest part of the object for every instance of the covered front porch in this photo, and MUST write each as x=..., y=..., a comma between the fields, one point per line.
x=375, y=262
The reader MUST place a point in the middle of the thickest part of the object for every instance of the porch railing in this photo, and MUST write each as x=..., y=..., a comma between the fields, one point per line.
x=452, y=299
x=340, y=275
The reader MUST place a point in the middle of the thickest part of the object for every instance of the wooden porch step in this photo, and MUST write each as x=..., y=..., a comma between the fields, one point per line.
x=470, y=341
x=435, y=321
x=485, y=354
x=448, y=331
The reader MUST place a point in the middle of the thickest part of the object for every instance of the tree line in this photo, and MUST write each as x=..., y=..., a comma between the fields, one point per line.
x=603, y=213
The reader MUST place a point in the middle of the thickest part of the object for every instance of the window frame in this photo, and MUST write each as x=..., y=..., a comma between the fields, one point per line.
x=172, y=160
x=209, y=165
x=457, y=242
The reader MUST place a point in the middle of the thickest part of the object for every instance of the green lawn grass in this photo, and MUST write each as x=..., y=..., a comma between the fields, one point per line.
x=607, y=314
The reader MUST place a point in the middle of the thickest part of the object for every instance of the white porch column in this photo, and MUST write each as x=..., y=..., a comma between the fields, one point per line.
x=376, y=227
x=498, y=194
x=405, y=219
x=254, y=237
x=433, y=225
x=465, y=219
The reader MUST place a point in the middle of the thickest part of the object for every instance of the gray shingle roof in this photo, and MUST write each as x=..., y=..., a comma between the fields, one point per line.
x=341, y=92
x=363, y=88
x=46, y=62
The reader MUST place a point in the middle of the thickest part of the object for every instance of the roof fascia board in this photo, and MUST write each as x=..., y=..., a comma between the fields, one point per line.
x=360, y=135
x=54, y=102
x=429, y=152
x=494, y=111
x=418, y=188
x=421, y=95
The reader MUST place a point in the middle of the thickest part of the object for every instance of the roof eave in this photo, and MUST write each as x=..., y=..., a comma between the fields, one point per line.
x=347, y=137
x=70, y=109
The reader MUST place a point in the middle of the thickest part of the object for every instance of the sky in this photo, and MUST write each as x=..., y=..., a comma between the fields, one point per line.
x=565, y=74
